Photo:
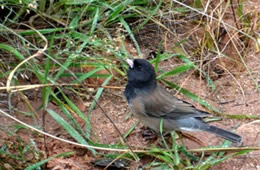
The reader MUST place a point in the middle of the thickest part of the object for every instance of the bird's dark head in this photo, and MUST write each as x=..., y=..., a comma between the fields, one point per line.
x=141, y=74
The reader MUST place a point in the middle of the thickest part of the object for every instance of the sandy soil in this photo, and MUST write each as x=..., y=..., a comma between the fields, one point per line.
x=236, y=94
x=229, y=98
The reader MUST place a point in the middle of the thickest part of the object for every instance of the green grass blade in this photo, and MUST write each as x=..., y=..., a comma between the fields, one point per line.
x=65, y=66
x=131, y=129
x=117, y=10
x=99, y=92
x=95, y=20
x=81, y=115
x=191, y=96
x=12, y=50
x=46, y=90
x=128, y=29
x=42, y=31
x=158, y=57
x=87, y=75
x=74, y=22
x=176, y=70
x=148, y=17
x=69, y=129
x=175, y=149
x=188, y=61
x=77, y=2
x=75, y=108
x=39, y=164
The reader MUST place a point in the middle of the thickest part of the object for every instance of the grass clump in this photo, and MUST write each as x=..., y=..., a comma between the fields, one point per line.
x=61, y=52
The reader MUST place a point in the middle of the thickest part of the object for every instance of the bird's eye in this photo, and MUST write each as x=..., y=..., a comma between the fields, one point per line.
x=139, y=67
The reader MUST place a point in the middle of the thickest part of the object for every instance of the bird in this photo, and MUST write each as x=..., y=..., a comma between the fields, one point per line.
x=150, y=102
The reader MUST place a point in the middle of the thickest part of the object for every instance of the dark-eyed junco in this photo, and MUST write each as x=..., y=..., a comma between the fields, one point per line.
x=150, y=102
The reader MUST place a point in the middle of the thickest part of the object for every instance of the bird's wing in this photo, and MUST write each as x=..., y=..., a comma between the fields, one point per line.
x=160, y=103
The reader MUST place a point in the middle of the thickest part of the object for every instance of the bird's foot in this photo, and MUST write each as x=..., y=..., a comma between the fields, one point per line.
x=149, y=134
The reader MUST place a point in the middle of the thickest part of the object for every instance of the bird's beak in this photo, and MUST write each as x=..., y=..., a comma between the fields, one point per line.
x=130, y=63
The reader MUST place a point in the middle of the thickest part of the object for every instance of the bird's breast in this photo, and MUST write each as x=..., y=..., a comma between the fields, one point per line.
x=136, y=106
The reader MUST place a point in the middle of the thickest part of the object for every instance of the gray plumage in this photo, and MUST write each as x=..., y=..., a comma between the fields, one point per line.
x=150, y=102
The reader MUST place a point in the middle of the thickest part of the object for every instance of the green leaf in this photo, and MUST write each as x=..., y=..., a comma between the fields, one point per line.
x=74, y=22
x=87, y=75
x=69, y=129
x=175, y=149
x=158, y=57
x=99, y=92
x=191, y=95
x=209, y=81
x=148, y=17
x=64, y=66
x=177, y=70
x=39, y=164
x=128, y=29
x=95, y=20
x=117, y=10
x=81, y=115
x=12, y=50
x=42, y=31
x=78, y=2
x=131, y=129
x=240, y=9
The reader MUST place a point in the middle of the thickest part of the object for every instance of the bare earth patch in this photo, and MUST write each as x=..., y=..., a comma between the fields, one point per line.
x=236, y=94
x=229, y=98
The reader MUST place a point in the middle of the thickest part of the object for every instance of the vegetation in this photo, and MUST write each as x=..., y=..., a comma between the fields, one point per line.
x=62, y=48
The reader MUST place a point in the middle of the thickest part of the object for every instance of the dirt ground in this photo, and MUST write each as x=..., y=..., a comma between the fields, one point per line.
x=236, y=94
x=229, y=99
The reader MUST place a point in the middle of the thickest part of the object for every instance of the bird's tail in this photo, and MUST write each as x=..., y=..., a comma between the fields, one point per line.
x=224, y=134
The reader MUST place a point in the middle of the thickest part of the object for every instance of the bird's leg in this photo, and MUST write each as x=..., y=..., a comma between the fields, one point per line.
x=149, y=134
